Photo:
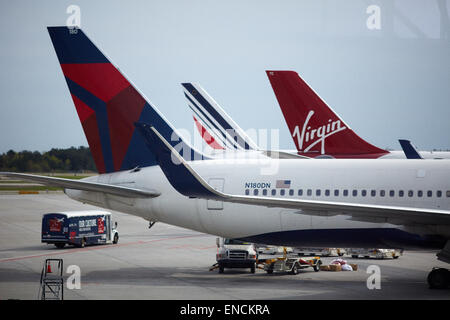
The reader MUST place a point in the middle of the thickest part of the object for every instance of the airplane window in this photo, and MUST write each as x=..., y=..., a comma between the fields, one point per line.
x=419, y=193
x=439, y=193
x=327, y=193
x=255, y=192
x=401, y=193
x=391, y=193
x=429, y=193
x=345, y=192
x=300, y=192
x=355, y=193
x=291, y=192
x=448, y=193
x=264, y=192
x=318, y=192
x=336, y=192
x=410, y=193
x=274, y=192
x=247, y=192
x=382, y=193
x=309, y=192
x=282, y=192
x=364, y=193
x=373, y=193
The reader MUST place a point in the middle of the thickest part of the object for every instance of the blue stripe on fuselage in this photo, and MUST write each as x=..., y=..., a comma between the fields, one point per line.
x=385, y=238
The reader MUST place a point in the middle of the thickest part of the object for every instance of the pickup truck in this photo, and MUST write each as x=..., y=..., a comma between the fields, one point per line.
x=233, y=253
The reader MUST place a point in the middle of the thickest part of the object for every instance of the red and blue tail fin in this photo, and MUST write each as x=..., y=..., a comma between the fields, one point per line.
x=316, y=129
x=108, y=105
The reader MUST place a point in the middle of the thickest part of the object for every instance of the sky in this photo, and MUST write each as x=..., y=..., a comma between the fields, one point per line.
x=383, y=66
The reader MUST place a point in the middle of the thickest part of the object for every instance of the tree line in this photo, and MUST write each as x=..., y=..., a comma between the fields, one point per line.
x=56, y=160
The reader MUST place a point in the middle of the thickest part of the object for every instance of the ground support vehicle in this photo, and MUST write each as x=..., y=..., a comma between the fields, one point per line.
x=323, y=252
x=266, y=249
x=290, y=264
x=374, y=253
x=235, y=254
x=78, y=228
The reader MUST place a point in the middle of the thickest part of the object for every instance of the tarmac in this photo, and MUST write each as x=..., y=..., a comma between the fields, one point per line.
x=172, y=263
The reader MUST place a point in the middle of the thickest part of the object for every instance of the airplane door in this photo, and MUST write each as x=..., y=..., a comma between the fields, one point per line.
x=217, y=184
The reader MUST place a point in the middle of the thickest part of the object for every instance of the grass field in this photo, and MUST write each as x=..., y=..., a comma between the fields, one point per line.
x=28, y=188
x=11, y=184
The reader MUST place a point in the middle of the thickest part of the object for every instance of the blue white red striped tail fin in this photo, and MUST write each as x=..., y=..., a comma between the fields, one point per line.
x=207, y=137
x=214, y=123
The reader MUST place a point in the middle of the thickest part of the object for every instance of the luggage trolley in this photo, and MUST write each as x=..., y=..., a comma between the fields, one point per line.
x=289, y=264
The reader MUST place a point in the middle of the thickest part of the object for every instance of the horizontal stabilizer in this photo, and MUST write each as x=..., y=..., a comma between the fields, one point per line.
x=85, y=185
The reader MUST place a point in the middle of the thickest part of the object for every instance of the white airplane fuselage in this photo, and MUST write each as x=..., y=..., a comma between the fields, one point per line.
x=428, y=180
x=399, y=154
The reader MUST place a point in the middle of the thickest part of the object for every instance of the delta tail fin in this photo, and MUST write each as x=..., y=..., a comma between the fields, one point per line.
x=316, y=129
x=108, y=105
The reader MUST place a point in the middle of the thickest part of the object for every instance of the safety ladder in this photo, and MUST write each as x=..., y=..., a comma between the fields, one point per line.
x=52, y=282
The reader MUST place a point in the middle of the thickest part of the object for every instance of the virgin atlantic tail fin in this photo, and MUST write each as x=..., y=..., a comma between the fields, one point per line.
x=316, y=129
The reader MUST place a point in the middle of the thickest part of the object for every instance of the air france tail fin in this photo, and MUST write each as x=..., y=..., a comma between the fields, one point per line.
x=316, y=129
x=108, y=105
x=209, y=139
x=213, y=122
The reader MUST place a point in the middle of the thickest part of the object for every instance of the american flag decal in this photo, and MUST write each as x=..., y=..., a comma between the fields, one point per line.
x=283, y=184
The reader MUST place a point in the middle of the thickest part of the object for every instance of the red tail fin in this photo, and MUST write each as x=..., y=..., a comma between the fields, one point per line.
x=315, y=128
